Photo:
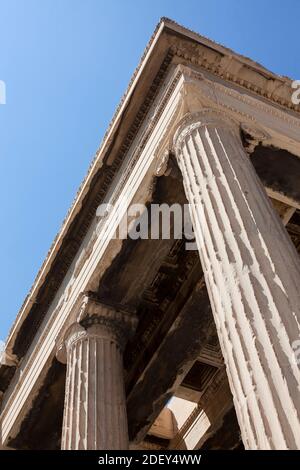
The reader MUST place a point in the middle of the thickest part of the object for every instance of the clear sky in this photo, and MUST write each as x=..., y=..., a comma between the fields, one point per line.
x=66, y=64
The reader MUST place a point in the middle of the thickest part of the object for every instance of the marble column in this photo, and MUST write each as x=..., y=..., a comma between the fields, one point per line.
x=252, y=273
x=95, y=405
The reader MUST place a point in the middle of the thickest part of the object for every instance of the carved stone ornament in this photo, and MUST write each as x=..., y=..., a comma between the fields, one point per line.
x=252, y=136
x=205, y=118
x=96, y=319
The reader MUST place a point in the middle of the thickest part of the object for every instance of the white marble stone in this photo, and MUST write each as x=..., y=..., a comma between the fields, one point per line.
x=252, y=273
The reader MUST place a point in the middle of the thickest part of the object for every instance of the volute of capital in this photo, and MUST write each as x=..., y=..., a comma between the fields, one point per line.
x=99, y=321
x=209, y=118
x=253, y=135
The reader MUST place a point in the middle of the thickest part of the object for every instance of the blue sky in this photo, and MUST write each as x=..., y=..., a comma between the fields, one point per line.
x=66, y=64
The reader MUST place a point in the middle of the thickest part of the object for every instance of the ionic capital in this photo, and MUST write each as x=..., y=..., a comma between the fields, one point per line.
x=253, y=136
x=100, y=321
x=207, y=117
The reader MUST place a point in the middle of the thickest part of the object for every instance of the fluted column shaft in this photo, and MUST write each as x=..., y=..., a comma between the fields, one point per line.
x=95, y=404
x=252, y=273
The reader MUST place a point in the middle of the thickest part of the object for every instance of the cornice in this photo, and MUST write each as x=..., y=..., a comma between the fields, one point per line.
x=278, y=90
x=207, y=117
x=202, y=52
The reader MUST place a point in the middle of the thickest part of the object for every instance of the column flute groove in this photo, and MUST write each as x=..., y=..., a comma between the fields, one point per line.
x=252, y=272
x=209, y=245
x=208, y=206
